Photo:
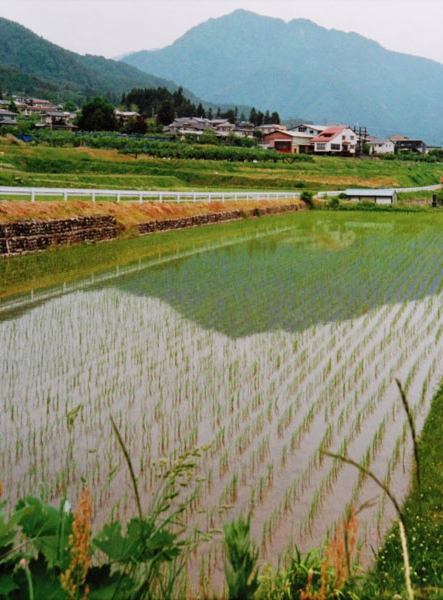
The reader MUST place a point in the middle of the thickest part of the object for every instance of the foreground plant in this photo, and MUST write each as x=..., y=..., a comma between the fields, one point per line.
x=47, y=553
x=241, y=570
x=73, y=580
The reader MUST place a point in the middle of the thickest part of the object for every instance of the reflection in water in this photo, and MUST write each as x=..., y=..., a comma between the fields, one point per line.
x=297, y=278
x=269, y=351
x=290, y=274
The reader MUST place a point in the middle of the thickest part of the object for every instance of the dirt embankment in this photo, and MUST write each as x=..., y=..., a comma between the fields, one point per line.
x=32, y=227
x=129, y=215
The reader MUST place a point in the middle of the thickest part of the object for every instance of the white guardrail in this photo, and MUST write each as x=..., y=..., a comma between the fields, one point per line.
x=141, y=196
x=32, y=193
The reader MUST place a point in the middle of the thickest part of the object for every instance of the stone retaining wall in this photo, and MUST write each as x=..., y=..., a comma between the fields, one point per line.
x=194, y=221
x=33, y=236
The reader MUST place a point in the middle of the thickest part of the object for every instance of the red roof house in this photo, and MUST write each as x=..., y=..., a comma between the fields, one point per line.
x=336, y=139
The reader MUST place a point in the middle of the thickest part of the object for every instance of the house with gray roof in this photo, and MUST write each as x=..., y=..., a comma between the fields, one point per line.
x=8, y=118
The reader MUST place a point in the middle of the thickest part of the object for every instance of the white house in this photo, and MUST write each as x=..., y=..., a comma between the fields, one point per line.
x=378, y=146
x=336, y=139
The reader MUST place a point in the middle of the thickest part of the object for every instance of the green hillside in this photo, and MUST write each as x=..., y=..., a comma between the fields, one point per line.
x=31, y=65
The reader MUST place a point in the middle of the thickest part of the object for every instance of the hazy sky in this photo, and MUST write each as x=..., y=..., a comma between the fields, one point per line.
x=114, y=27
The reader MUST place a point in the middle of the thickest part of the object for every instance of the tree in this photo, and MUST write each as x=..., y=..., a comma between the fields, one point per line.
x=12, y=106
x=260, y=118
x=69, y=106
x=201, y=111
x=97, y=115
x=230, y=115
x=136, y=125
x=208, y=137
x=166, y=113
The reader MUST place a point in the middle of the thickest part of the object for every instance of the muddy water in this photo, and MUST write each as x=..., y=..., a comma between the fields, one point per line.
x=265, y=402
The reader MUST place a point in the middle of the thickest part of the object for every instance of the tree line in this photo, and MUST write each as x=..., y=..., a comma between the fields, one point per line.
x=165, y=106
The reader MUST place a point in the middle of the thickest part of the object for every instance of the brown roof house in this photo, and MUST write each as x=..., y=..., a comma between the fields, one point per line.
x=289, y=142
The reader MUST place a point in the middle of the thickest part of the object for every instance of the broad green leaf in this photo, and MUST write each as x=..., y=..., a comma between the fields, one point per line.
x=118, y=548
x=104, y=586
x=7, y=585
x=48, y=528
x=8, y=529
x=45, y=582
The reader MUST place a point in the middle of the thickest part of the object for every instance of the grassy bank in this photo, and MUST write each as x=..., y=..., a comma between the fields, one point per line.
x=423, y=514
x=42, y=166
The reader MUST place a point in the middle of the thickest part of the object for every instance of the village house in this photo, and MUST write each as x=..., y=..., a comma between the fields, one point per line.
x=36, y=106
x=289, y=142
x=270, y=127
x=195, y=126
x=407, y=145
x=222, y=126
x=312, y=130
x=123, y=116
x=335, y=139
x=55, y=120
x=381, y=146
x=8, y=118
x=245, y=129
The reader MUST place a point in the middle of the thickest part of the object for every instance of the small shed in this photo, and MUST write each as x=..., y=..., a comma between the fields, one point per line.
x=384, y=196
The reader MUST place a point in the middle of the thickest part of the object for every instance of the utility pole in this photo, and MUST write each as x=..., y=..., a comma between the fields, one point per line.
x=362, y=136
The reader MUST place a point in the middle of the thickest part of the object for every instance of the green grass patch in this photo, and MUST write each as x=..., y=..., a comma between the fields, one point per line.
x=423, y=511
x=32, y=165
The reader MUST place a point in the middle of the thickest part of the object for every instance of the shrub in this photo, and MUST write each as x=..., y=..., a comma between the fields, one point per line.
x=308, y=198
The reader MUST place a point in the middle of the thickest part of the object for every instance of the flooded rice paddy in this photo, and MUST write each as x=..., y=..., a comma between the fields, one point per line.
x=266, y=342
